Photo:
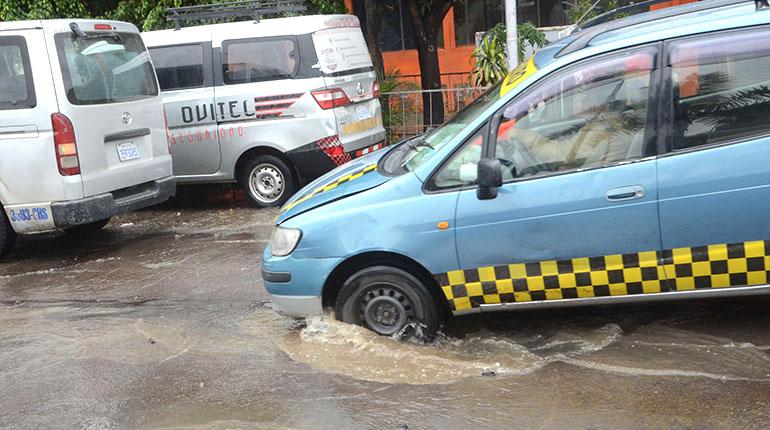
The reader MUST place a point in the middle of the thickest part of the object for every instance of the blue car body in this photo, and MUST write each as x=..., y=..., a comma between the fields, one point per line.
x=658, y=226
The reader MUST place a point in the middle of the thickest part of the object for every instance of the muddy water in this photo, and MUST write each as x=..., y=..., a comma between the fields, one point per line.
x=160, y=322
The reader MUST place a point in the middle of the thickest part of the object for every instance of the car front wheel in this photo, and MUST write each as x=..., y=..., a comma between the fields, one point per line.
x=388, y=301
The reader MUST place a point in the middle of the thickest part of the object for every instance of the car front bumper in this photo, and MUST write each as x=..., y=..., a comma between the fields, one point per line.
x=295, y=285
x=296, y=306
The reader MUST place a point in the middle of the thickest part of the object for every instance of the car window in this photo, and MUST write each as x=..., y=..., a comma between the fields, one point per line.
x=105, y=68
x=16, y=87
x=259, y=60
x=178, y=67
x=462, y=167
x=721, y=88
x=588, y=116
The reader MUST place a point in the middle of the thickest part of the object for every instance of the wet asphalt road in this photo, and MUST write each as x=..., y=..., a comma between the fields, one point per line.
x=160, y=321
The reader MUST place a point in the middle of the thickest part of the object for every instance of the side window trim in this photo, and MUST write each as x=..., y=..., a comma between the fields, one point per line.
x=208, y=66
x=666, y=140
x=31, y=101
x=227, y=42
x=651, y=142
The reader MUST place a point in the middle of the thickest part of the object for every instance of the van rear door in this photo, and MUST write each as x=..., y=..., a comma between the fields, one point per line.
x=347, y=68
x=108, y=90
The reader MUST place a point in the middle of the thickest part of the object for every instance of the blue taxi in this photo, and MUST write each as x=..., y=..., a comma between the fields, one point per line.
x=628, y=161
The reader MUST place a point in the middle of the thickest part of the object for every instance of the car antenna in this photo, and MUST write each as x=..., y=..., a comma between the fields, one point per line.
x=233, y=9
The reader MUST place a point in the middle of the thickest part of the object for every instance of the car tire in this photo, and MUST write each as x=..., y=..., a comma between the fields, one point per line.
x=7, y=234
x=91, y=227
x=267, y=181
x=388, y=301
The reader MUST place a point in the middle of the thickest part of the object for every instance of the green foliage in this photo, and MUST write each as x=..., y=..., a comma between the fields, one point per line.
x=145, y=14
x=577, y=9
x=326, y=7
x=491, y=56
x=12, y=10
x=529, y=35
x=392, y=111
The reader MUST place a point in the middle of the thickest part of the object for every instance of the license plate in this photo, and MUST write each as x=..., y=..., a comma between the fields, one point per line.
x=362, y=113
x=128, y=151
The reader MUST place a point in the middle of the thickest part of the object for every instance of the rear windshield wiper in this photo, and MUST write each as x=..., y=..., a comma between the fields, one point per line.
x=80, y=34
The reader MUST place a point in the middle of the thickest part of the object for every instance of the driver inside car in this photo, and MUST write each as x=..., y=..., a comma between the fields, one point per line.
x=576, y=126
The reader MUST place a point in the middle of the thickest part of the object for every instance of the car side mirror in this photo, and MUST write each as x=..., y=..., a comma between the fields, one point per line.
x=490, y=178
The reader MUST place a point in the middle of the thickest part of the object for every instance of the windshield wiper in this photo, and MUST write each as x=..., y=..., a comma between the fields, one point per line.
x=80, y=34
x=417, y=142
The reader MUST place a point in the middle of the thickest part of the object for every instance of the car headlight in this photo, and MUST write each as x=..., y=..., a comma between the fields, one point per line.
x=284, y=241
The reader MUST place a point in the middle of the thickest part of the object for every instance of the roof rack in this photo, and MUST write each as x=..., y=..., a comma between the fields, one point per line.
x=234, y=9
x=603, y=24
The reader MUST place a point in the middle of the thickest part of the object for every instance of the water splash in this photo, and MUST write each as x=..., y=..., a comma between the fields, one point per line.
x=357, y=352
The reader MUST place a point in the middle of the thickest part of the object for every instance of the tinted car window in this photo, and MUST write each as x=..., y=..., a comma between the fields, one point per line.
x=16, y=88
x=178, y=67
x=110, y=68
x=259, y=60
x=591, y=115
x=721, y=88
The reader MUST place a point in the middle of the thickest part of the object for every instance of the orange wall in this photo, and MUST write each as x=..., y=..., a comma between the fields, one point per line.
x=451, y=58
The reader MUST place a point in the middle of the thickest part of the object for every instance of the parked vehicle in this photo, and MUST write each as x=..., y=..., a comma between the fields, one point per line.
x=629, y=161
x=82, y=136
x=271, y=104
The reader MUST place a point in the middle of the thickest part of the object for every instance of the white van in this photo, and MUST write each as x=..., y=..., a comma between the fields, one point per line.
x=82, y=134
x=271, y=104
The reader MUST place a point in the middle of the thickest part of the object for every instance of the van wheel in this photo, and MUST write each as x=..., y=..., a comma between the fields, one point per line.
x=388, y=301
x=7, y=235
x=91, y=227
x=267, y=181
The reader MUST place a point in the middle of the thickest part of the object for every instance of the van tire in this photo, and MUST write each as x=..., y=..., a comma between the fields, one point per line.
x=91, y=227
x=388, y=301
x=7, y=234
x=276, y=176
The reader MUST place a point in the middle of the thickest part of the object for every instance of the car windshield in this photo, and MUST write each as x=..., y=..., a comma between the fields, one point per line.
x=108, y=68
x=424, y=147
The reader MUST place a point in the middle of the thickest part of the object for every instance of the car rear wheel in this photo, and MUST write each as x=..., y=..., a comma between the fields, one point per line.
x=7, y=235
x=267, y=181
x=91, y=227
x=388, y=301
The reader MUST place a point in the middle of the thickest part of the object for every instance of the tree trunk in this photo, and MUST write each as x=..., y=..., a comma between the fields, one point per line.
x=373, y=36
x=427, y=23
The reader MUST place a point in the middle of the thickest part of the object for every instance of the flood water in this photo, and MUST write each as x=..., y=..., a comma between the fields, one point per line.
x=161, y=321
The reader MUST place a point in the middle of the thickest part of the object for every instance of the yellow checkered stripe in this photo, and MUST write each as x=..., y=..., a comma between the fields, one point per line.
x=331, y=185
x=680, y=269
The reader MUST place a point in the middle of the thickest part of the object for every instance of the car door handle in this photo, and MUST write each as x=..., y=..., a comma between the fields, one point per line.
x=625, y=193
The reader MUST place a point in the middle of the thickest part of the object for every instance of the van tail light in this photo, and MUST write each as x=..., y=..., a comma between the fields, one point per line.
x=65, y=146
x=375, y=90
x=330, y=99
x=107, y=27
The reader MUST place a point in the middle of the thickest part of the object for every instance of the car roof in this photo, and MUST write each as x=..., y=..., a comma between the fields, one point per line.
x=63, y=24
x=266, y=27
x=693, y=18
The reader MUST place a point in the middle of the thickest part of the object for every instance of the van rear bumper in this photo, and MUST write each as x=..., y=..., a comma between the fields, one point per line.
x=103, y=206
